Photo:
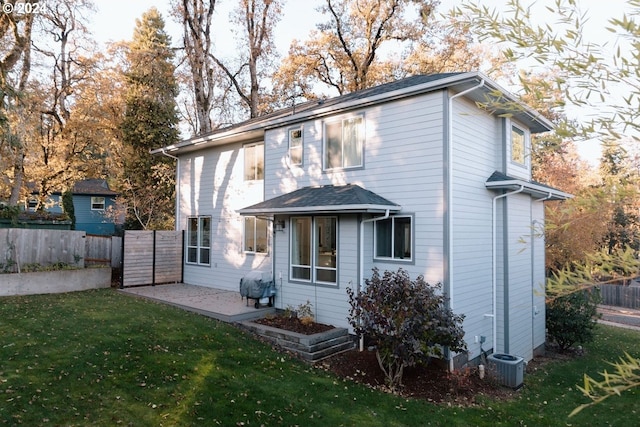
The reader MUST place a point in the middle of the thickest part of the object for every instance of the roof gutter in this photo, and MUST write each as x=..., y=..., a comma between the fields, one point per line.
x=449, y=202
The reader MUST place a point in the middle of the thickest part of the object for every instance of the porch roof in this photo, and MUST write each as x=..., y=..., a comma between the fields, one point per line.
x=500, y=181
x=348, y=198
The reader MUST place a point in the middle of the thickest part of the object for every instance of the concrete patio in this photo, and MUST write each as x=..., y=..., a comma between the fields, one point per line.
x=227, y=306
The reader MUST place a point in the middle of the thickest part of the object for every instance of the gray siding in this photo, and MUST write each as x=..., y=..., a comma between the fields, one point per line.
x=475, y=156
x=402, y=162
x=212, y=184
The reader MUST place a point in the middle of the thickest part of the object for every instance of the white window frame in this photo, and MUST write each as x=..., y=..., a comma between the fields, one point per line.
x=525, y=145
x=296, y=136
x=360, y=142
x=202, y=244
x=315, y=264
x=251, y=228
x=392, y=242
x=252, y=169
x=97, y=201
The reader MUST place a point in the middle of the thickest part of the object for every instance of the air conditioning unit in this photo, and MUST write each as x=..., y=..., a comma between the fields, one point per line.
x=508, y=368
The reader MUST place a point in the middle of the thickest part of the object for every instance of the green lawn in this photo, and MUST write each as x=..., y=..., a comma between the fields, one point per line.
x=103, y=358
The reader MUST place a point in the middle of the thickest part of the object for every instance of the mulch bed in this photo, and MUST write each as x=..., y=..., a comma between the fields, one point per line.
x=432, y=382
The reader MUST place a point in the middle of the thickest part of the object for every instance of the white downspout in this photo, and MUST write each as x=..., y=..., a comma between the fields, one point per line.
x=450, y=191
x=177, y=207
x=494, y=267
x=361, y=260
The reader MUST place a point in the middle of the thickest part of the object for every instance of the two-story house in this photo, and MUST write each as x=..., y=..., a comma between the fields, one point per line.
x=412, y=174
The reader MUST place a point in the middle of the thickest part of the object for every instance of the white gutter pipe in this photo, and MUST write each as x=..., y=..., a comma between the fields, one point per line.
x=361, y=281
x=494, y=267
x=177, y=207
x=450, y=191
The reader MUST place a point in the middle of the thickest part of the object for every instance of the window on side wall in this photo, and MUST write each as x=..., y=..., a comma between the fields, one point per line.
x=518, y=146
x=314, y=251
x=344, y=143
x=256, y=235
x=254, y=162
x=393, y=238
x=295, y=146
x=97, y=203
x=199, y=240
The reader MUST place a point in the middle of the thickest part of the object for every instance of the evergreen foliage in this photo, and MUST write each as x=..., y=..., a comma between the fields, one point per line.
x=150, y=121
x=571, y=318
x=67, y=205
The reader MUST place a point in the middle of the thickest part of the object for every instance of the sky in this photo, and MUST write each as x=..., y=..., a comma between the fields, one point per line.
x=115, y=21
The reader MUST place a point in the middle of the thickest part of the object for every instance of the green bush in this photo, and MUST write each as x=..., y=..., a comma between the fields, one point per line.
x=571, y=318
x=408, y=320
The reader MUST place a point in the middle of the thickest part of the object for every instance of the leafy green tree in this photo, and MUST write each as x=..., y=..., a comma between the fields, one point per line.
x=150, y=121
x=570, y=319
x=408, y=320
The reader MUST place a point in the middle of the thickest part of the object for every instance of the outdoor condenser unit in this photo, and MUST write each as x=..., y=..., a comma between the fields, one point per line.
x=508, y=368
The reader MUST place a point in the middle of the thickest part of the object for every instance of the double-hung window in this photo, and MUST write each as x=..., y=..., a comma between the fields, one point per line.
x=97, y=203
x=295, y=146
x=199, y=240
x=518, y=146
x=255, y=235
x=344, y=143
x=314, y=249
x=254, y=162
x=393, y=238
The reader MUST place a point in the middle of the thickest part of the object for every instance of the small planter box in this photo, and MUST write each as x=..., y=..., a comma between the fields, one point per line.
x=53, y=282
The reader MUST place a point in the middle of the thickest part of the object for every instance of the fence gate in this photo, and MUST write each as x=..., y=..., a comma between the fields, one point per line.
x=152, y=257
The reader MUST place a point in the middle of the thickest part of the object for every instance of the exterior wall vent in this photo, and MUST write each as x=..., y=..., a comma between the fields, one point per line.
x=509, y=369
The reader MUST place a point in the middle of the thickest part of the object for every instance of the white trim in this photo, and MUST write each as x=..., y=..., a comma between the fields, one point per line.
x=323, y=209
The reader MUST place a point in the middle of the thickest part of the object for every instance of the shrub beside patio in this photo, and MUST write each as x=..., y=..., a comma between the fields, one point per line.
x=100, y=357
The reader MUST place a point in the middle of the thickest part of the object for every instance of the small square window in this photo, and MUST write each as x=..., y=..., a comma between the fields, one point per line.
x=393, y=238
x=256, y=235
x=344, y=143
x=97, y=203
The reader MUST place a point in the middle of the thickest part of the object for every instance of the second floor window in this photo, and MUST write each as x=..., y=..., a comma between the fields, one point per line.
x=254, y=162
x=295, y=146
x=518, y=146
x=344, y=143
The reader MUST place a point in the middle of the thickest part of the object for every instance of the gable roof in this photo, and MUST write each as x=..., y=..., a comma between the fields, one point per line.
x=504, y=103
x=323, y=199
x=500, y=181
x=93, y=187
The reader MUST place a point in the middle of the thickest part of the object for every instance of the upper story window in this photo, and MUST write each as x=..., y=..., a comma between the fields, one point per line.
x=344, y=143
x=97, y=203
x=199, y=240
x=254, y=161
x=393, y=238
x=255, y=235
x=518, y=146
x=295, y=146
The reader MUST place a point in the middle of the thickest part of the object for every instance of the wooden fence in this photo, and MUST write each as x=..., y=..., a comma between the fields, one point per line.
x=621, y=296
x=20, y=246
x=103, y=250
x=151, y=257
